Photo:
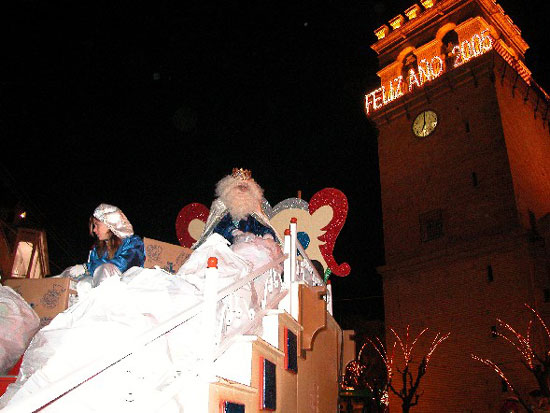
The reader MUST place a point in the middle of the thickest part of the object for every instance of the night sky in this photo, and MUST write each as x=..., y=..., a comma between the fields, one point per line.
x=146, y=105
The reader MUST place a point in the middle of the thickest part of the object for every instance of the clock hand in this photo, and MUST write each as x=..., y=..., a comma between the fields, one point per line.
x=424, y=124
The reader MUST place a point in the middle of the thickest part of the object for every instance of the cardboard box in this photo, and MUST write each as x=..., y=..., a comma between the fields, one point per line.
x=167, y=256
x=47, y=296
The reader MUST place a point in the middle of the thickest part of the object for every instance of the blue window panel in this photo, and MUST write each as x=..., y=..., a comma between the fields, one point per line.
x=291, y=351
x=230, y=407
x=268, y=385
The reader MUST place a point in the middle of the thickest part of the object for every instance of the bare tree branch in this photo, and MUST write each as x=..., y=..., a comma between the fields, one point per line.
x=408, y=393
x=537, y=364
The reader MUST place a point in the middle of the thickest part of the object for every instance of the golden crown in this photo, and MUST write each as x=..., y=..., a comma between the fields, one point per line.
x=242, y=174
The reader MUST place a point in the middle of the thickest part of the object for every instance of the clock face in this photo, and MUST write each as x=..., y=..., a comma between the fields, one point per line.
x=425, y=123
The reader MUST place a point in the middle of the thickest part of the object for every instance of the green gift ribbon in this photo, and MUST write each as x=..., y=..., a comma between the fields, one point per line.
x=327, y=274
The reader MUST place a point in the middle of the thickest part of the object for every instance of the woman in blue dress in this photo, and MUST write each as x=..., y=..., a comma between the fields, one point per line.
x=116, y=248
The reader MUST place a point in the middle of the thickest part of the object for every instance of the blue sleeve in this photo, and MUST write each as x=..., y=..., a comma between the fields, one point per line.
x=225, y=228
x=131, y=253
x=256, y=227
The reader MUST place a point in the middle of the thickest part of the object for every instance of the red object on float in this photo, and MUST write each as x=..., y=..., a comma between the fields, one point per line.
x=5, y=381
x=339, y=204
x=187, y=214
x=293, y=220
x=287, y=231
x=15, y=369
x=212, y=262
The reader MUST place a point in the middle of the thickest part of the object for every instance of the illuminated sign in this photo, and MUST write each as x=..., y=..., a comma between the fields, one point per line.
x=428, y=70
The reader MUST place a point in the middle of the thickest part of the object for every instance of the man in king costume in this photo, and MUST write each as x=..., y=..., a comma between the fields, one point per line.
x=237, y=210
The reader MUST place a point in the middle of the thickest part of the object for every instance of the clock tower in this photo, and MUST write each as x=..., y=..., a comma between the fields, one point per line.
x=464, y=152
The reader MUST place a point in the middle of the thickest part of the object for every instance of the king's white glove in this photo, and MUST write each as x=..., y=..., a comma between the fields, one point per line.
x=77, y=270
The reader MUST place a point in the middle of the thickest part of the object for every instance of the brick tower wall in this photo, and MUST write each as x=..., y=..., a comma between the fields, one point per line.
x=443, y=284
x=458, y=297
x=422, y=174
x=527, y=136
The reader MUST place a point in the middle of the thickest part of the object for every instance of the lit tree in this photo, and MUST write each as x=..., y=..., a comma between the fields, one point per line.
x=368, y=373
x=536, y=362
x=408, y=393
x=374, y=377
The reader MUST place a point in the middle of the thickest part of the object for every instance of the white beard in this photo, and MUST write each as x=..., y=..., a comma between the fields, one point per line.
x=239, y=204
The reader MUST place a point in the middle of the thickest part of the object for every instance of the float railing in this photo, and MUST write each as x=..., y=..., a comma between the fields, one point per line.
x=211, y=351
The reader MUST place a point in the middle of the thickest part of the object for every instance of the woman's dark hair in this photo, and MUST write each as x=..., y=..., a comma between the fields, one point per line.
x=110, y=245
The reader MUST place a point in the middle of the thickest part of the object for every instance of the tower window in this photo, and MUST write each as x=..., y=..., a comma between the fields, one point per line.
x=431, y=225
x=494, y=332
x=546, y=295
x=474, y=179
x=449, y=41
x=409, y=62
x=490, y=276
x=467, y=126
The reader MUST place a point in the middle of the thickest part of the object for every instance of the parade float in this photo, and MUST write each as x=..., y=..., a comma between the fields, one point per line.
x=213, y=329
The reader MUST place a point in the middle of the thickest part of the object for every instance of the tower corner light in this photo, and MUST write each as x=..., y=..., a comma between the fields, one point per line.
x=412, y=12
x=381, y=32
x=427, y=3
x=396, y=22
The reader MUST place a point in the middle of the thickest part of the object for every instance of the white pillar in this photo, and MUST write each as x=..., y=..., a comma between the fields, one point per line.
x=209, y=319
x=293, y=291
x=286, y=265
x=293, y=249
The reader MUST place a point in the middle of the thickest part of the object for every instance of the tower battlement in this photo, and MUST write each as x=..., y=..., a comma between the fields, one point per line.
x=437, y=38
x=436, y=14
